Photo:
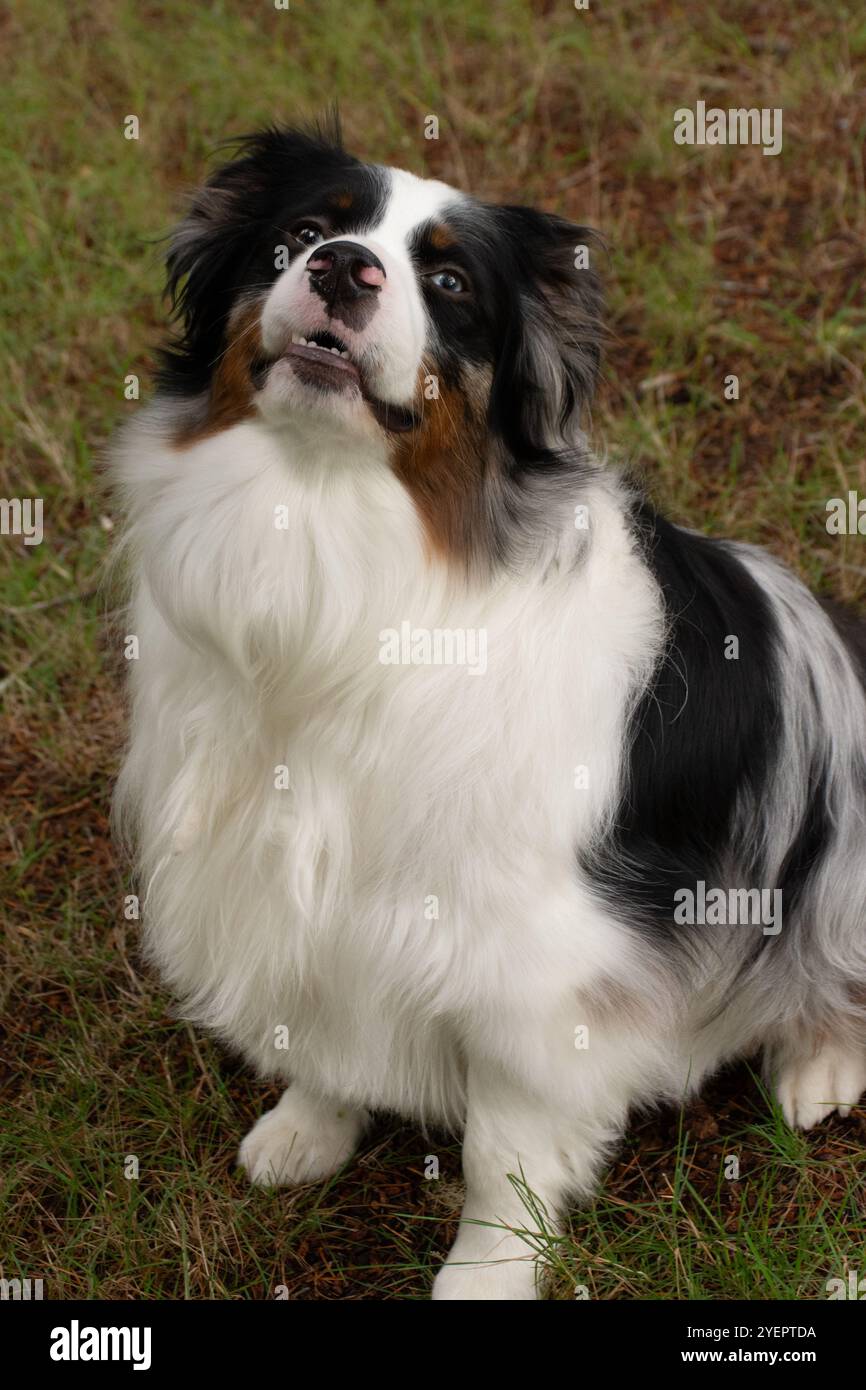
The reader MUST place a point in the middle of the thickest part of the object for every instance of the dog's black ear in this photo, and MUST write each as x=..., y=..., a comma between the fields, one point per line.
x=552, y=344
x=227, y=240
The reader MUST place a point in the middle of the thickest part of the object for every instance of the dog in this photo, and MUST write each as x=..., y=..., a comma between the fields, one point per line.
x=516, y=897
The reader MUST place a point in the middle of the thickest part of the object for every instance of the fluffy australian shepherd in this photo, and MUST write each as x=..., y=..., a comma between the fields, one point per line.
x=403, y=881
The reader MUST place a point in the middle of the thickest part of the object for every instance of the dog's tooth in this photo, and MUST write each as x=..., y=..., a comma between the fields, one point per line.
x=344, y=354
x=301, y=341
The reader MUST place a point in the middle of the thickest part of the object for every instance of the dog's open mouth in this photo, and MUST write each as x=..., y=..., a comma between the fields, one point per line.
x=324, y=361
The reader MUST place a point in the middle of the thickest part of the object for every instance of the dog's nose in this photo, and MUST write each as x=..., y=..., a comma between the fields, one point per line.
x=345, y=271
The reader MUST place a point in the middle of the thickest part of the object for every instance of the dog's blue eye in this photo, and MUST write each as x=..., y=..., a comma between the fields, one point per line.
x=308, y=235
x=449, y=281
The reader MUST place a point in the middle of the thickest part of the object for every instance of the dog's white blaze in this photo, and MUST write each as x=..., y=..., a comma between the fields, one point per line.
x=412, y=202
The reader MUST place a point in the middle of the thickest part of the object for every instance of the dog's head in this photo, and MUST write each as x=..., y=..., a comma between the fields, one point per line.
x=354, y=301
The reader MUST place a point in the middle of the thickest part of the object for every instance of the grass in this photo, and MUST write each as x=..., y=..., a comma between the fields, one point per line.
x=722, y=261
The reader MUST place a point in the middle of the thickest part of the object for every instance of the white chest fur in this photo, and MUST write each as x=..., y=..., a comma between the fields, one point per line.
x=346, y=858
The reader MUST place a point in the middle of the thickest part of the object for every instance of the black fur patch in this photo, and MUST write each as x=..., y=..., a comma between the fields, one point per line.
x=703, y=738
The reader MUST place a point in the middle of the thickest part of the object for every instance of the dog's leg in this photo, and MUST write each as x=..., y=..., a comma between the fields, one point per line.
x=508, y=1132
x=301, y=1140
x=812, y=1084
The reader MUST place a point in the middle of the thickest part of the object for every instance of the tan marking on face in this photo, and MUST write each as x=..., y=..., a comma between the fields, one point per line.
x=343, y=200
x=443, y=462
x=442, y=237
x=231, y=390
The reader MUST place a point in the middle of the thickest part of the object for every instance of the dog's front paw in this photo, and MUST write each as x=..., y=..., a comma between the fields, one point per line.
x=300, y=1140
x=505, y=1279
x=811, y=1088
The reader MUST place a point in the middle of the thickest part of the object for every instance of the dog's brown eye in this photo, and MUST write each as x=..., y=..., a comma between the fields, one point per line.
x=309, y=234
x=449, y=281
